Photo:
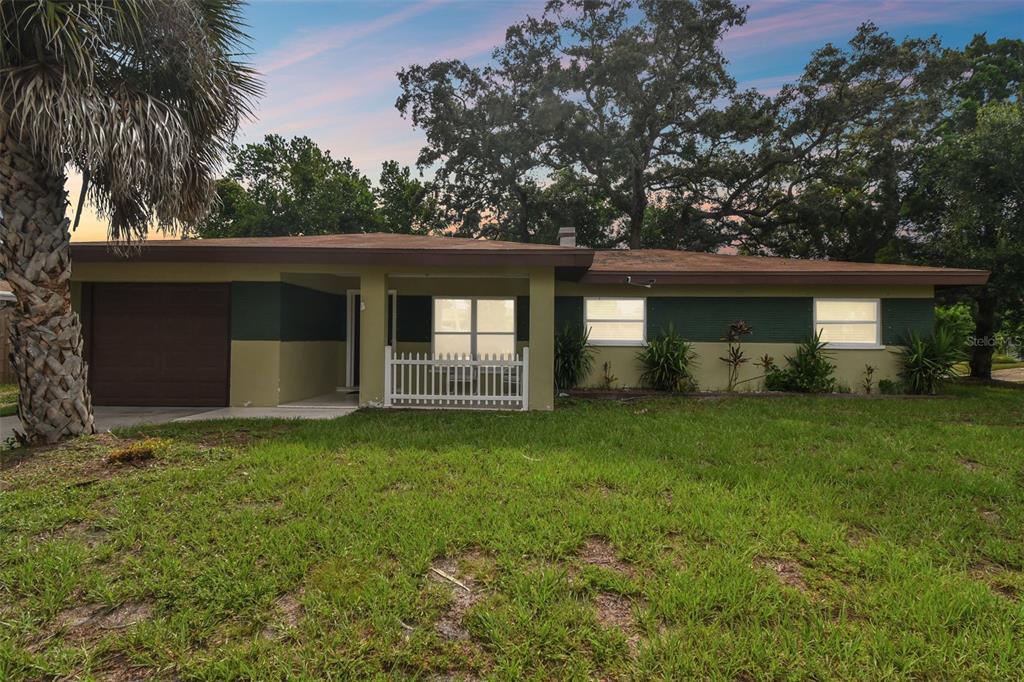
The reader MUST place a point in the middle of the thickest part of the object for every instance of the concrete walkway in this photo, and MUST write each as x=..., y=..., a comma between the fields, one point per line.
x=108, y=418
x=1014, y=374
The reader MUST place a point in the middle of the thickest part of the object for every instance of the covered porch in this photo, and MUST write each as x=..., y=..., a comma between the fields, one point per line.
x=453, y=339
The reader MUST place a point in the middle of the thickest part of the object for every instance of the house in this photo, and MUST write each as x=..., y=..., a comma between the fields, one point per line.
x=436, y=321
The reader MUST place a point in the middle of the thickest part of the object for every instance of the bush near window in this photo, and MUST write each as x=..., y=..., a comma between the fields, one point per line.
x=957, y=319
x=573, y=357
x=807, y=371
x=668, y=361
x=930, y=360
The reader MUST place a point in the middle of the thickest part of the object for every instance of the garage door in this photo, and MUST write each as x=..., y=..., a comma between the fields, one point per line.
x=158, y=344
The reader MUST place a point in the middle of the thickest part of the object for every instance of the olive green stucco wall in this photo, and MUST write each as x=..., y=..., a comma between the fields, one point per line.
x=780, y=316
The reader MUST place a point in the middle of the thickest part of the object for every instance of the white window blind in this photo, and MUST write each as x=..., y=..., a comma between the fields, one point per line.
x=848, y=322
x=615, y=321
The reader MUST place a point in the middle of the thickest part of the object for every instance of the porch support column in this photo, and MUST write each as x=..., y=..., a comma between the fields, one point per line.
x=373, y=335
x=542, y=339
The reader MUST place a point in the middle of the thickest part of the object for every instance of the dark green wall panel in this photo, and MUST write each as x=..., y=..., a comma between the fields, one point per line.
x=774, y=320
x=311, y=315
x=568, y=312
x=522, y=318
x=414, y=318
x=900, y=316
x=278, y=311
x=256, y=311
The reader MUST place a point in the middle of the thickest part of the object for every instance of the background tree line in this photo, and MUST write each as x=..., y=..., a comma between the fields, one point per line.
x=620, y=117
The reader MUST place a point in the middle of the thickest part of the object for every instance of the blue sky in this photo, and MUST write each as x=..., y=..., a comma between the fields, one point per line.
x=329, y=66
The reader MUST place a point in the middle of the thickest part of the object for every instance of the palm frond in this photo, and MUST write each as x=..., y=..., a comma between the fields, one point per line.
x=144, y=96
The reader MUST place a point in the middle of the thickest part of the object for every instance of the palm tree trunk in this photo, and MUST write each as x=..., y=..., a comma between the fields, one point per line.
x=46, y=334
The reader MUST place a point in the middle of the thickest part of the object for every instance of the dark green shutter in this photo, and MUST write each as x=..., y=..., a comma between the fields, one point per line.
x=522, y=318
x=414, y=319
x=568, y=313
x=900, y=316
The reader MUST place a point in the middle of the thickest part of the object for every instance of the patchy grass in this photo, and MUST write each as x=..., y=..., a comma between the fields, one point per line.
x=753, y=539
x=8, y=399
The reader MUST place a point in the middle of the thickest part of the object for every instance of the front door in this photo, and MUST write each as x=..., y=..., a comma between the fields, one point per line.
x=354, y=336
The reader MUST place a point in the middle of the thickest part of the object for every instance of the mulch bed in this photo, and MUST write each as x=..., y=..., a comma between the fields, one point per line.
x=627, y=394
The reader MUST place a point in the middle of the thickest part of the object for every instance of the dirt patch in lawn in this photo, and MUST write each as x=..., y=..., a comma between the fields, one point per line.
x=970, y=464
x=597, y=551
x=859, y=537
x=461, y=578
x=89, y=622
x=80, y=462
x=789, y=572
x=287, y=613
x=119, y=669
x=998, y=578
x=82, y=531
x=615, y=611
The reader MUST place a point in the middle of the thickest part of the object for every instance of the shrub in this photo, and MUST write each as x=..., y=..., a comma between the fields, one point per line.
x=930, y=360
x=573, y=357
x=807, y=371
x=668, y=361
x=890, y=387
x=957, y=319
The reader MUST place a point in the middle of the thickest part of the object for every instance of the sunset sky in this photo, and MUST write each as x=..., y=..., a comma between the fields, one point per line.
x=329, y=66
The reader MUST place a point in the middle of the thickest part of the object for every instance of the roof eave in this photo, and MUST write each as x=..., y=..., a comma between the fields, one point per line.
x=933, y=278
x=99, y=253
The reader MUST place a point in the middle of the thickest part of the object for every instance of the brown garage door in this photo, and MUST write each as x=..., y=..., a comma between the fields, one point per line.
x=158, y=344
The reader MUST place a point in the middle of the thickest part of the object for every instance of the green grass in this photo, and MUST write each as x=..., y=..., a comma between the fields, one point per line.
x=8, y=399
x=752, y=538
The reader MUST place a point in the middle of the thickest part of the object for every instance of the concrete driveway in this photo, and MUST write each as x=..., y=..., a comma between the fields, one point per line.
x=108, y=418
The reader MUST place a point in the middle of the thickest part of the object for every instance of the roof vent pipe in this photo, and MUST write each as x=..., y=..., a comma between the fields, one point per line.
x=567, y=236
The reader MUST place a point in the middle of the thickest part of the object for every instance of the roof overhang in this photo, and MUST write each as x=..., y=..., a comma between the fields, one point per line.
x=567, y=260
x=924, y=277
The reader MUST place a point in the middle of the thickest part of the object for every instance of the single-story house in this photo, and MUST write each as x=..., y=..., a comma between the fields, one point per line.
x=438, y=321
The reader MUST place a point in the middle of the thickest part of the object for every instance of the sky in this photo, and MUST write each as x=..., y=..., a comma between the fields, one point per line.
x=329, y=65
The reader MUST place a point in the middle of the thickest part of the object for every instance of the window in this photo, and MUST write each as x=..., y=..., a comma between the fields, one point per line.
x=848, y=322
x=615, y=321
x=475, y=326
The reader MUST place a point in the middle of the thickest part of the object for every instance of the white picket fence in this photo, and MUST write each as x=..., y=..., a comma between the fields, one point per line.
x=438, y=381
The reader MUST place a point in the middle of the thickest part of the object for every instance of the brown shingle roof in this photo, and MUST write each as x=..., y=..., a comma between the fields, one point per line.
x=367, y=249
x=690, y=267
x=668, y=267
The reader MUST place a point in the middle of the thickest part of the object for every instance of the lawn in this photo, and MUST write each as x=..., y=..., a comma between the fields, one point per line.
x=741, y=538
x=8, y=399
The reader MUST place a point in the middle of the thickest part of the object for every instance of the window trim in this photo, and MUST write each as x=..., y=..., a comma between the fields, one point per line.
x=847, y=299
x=473, y=333
x=614, y=342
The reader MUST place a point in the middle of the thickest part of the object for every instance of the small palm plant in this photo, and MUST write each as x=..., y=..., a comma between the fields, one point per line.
x=142, y=97
x=668, y=362
x=930, y=360
x=573, y=357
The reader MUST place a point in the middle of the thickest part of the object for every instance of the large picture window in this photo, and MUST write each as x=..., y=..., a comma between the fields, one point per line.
x=848, y=322
x=615, y=321
x=475, y=327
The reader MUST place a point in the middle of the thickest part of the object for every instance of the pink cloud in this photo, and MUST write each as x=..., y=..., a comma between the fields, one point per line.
x=324, y=84
x=315, y=43
x=799, y=22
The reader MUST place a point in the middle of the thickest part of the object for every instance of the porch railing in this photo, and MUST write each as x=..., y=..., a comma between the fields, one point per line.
x=426, y=380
